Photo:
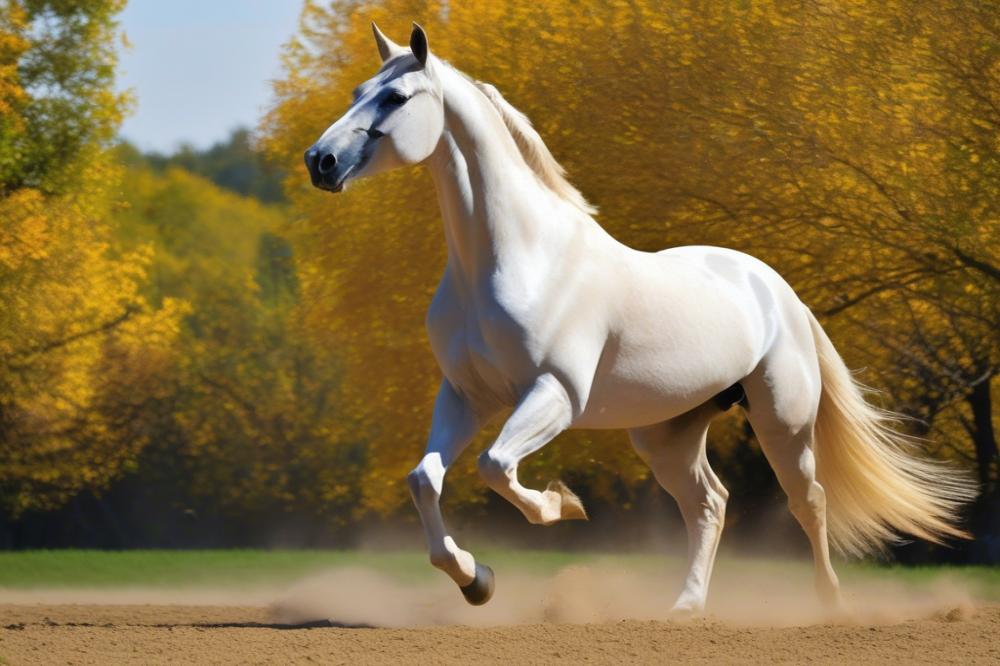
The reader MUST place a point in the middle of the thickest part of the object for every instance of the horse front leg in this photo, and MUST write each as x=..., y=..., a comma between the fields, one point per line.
x=543, y=412
x=454, y=425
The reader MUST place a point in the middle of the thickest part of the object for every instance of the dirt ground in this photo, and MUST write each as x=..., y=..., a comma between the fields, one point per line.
x=601, y=614
x=171, y=634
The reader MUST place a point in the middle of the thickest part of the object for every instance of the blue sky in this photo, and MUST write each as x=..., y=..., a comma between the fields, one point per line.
x=199, y=68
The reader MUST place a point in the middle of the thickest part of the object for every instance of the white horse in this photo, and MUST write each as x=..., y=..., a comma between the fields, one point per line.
x=542, y=311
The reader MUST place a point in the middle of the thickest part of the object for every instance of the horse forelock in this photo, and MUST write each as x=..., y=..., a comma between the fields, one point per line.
x=400, y=64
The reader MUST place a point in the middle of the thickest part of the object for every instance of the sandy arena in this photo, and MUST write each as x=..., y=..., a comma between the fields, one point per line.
x=581, y=615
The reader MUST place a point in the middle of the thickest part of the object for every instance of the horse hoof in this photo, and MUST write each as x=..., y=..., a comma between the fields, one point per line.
x=570, y=506
x=480, y=590
x=686, y=609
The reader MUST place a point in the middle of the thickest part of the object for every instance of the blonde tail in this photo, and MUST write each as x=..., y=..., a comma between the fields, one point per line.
x=877, y=485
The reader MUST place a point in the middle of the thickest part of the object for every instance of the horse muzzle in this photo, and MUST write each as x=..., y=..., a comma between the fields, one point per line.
x=326, y=170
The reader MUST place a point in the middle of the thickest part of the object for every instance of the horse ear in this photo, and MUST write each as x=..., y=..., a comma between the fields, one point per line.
x=418, y=44
x=386, y=47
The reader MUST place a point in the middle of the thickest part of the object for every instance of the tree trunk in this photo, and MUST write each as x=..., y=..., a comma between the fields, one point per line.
x=983, y=435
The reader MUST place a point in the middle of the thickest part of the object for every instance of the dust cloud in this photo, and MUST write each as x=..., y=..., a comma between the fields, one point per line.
x=752, y=596
x=748, y=593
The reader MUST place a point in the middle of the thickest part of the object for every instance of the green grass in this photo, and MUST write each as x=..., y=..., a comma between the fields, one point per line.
x=984, y=581
x=230, y=568
x=96, y=568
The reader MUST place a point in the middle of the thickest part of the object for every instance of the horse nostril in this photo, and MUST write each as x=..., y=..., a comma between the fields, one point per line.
x=327, y=163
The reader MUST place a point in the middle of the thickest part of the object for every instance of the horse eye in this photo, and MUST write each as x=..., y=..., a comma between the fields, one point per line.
x=395, y=99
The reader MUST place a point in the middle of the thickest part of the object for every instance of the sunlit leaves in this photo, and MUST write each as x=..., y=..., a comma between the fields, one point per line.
x=253, y=421
x=81, y=351
x=852, y=145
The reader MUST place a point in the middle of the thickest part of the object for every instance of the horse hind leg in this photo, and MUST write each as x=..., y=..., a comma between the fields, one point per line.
x=675, y=452
x=783, y=396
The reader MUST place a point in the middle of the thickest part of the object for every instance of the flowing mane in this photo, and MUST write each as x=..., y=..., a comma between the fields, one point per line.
x=534, y=150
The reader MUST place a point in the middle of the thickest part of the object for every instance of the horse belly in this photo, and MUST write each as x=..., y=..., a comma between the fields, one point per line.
x=652, y=374
x=618, y=402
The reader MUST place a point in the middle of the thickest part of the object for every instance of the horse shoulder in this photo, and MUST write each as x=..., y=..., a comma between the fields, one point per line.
x=458, y=339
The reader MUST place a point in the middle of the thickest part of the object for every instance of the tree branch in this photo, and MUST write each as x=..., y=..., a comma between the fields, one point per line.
x=70, y=339
x=984, y=267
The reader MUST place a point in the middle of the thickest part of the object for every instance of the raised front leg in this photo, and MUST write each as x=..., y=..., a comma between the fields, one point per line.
x=453, y=427
x=543, y=412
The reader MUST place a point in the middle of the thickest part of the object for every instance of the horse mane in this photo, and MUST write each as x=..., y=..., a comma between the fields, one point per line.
x=533, y=149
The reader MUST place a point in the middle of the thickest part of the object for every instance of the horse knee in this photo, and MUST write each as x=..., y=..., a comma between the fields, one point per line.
x=708, y=508
x=714, y=504
x=706, y=505
x=699, y=494
x=494, y=468
x=715, y=487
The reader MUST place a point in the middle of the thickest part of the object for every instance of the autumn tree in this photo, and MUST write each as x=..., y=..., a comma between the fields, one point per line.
x=253, y=425
x=851, y=145
x=80, y=348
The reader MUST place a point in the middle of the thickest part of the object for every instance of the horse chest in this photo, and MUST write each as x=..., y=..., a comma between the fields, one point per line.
x=482, y=347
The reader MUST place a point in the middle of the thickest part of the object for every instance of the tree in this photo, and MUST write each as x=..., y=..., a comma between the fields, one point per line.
x=234, y=164
x=253, y=425
x=852, y=146
x=79, y=345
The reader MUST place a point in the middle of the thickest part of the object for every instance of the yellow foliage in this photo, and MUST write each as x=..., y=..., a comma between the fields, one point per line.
x=836, y=143
x=80, y=348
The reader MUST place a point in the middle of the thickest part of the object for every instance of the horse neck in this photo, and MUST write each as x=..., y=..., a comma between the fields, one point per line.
x=492, y=204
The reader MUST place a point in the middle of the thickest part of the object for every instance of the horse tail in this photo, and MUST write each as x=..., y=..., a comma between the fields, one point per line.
x=877, y=485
